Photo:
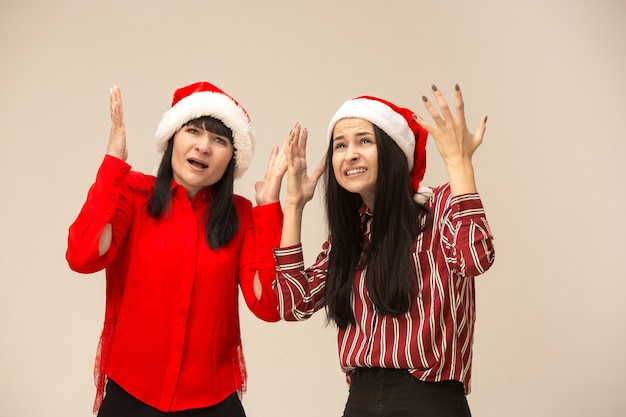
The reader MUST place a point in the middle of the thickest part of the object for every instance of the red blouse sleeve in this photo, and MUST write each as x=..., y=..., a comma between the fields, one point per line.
x=262, y=235
x=105, y=204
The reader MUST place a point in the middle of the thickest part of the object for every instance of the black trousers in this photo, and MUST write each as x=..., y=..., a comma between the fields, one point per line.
x=119, y=403
x=378, y=392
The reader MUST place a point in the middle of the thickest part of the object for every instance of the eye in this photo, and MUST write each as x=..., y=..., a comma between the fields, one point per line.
x=338, y=144
x=192, y=130
x=219, y=140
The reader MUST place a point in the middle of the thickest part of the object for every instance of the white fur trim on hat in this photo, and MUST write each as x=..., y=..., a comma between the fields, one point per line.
x=220, y=106
x=383, y=116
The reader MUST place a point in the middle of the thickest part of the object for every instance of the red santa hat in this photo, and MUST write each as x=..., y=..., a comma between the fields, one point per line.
x=400, y=125
x=205, y=99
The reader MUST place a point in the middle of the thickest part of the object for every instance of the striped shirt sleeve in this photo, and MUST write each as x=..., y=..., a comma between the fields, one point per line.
x=466, y=236
x=300, y=291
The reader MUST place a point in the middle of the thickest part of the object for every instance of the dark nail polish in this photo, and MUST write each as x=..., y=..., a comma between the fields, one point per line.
x=485, y=119
x=434, y=87
x=414, y=116
x=425, y=99
x=456, y=87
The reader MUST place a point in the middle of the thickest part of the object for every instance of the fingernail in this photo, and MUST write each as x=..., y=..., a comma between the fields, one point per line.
x=485, y=119
x=414, y=116
x=456, y=87
x=425, y=99
x=434, y=87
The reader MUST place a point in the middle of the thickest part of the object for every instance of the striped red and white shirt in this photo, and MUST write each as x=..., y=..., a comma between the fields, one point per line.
x=433, y=340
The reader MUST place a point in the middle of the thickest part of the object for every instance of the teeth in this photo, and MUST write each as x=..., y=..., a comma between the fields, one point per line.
x=355, y=171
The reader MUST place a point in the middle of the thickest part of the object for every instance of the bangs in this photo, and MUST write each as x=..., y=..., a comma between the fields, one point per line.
x=213, y=125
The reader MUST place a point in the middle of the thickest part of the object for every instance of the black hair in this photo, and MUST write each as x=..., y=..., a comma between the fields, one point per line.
x=222, y=219
x=397, y=221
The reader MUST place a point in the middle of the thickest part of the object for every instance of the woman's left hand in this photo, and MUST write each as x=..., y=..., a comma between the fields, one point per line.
x=455, y=142
x=268, y=190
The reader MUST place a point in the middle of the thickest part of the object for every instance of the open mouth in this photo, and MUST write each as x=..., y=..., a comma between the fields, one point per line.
x=197, y=164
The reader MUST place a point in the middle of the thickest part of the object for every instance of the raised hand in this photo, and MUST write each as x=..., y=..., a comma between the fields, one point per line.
x=455, y=142
x=300, y=187
x=268, y=190
x=117, y=137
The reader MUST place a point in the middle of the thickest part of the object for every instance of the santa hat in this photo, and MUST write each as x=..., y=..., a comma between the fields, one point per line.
x=399, y=124
x=204, y=99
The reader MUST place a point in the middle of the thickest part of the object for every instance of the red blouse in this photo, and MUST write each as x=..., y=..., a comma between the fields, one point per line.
x=171, y=333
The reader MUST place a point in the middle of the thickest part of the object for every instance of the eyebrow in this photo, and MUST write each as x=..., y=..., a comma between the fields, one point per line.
x=358, y=134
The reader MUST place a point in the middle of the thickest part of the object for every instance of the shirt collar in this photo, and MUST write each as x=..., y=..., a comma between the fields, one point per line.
x=364, y=210
x=205, y=195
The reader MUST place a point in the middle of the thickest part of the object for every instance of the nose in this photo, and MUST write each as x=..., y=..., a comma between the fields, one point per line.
x=203, y=144
x=351, y=153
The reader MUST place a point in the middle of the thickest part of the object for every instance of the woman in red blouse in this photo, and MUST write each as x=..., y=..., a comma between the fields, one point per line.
x=396, y=275
x=176, y=248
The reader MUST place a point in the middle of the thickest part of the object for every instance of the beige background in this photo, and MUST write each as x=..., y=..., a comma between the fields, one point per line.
x=549, y=73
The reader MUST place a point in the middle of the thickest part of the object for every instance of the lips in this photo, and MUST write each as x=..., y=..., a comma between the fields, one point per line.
x=197, y=163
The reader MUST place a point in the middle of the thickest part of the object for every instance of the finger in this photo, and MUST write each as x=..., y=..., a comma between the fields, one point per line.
x=460, y=105
x=480, y=130
x=420, y=121
x=303, y=140
x=433, y=112
x=289, y=147
x=443, y=105
x=296, y=133
x=116, y=107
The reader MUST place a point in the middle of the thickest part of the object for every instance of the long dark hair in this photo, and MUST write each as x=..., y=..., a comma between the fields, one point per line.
x=396, y=223
x=222, y=219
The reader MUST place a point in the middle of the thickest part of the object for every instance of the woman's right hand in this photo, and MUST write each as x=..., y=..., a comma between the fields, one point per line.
x=300, y=187
x=117, y=137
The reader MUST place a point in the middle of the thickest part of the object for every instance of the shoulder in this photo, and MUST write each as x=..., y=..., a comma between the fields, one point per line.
x=140, y=181
x=242, y=203
x=438, y=195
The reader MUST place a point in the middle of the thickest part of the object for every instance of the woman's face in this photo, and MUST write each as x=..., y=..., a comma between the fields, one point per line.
x=355, y=158
x=199, y=158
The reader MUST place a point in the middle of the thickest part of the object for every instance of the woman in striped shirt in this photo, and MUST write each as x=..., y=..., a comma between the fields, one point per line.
x=396, y=275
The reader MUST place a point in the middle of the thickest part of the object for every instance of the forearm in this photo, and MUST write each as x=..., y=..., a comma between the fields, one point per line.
x=292, y=225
